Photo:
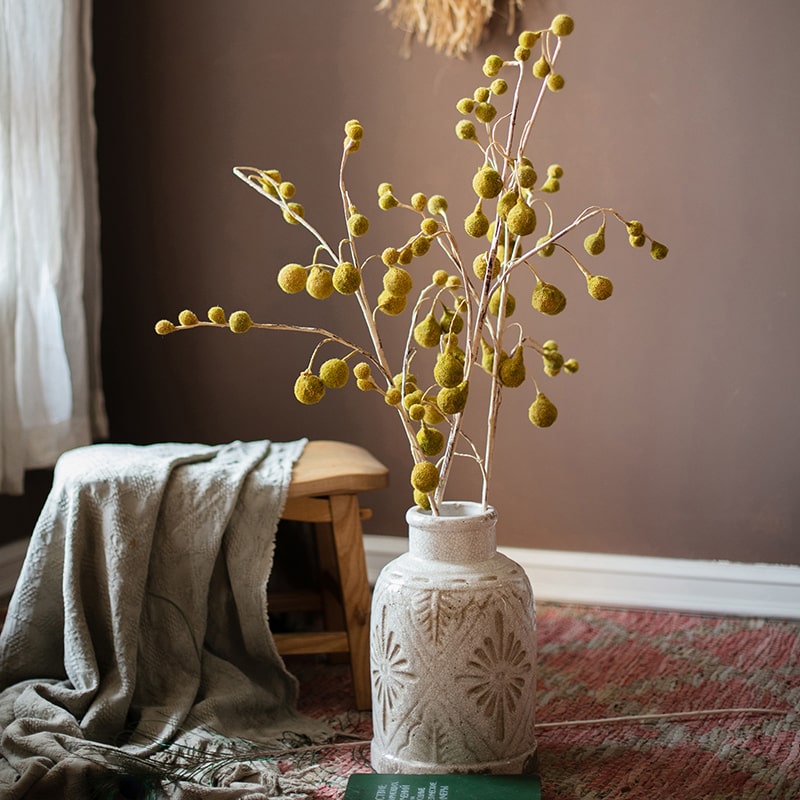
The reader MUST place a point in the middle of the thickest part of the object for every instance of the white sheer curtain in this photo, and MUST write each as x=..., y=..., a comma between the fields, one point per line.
x=50, y=391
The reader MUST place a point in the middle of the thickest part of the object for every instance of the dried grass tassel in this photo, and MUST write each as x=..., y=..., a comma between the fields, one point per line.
x=452, y=27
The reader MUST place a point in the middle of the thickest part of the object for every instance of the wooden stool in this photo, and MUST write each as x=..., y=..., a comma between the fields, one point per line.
x=325, y=485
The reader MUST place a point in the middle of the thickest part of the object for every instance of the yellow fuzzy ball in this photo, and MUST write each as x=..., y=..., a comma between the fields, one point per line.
x=453, y=401
x=416, y=411
x=599, y=287
x=506, y=203
x=309, y=389
x=595, y=243
x=387, y=201
x=292, y=278
x=418, y=201
x=465, y=130
x=240, y=322
x=346, y=278
x=541, y=68
x=217, y=315
x=188, y=318
x=521, y=220
x=393, y=396
x=542, y=412
x=485, y=112
x=422, y=500
x=479, y=264
x=357, y=224
x=432, y=414
x=354, y=129
x=448, y=371
x=319, y=283
x=430, y=441
x=658, y=251
x=546, y=249
x=512, y=369
x=552, y=361
x=465, y=105
x=362, y=370
x=391, y=304
x=562, y=25
x=390, y=256
x=635, y=228
x=492, y=65
x=499, y=86
x=437, y=204
x=428, y=332
x=164, y=326
x=477, y=223
x=397, y=281
x=412, y=398
x=548, y=299
x=494, y=303
x=425, y=477
x=334, y=373
x=429, y=226
x=487, y=356
x=487, y=183
x=451, y=322
x=293, y=213
x=420, y=246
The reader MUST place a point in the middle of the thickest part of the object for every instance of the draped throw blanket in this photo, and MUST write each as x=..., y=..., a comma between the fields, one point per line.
x=137, y=649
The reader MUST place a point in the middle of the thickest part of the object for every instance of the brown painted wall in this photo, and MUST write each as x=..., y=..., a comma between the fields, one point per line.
x=679, y=435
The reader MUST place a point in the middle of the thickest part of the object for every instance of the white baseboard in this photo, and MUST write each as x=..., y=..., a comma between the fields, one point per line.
x=704, y=587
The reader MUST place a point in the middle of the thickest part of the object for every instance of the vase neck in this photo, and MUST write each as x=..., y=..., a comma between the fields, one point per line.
x=462, y=533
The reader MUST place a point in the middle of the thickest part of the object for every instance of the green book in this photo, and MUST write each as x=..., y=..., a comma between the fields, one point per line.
x=370, y=786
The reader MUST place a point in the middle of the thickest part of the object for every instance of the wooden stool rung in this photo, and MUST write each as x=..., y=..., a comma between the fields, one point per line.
x=314, y=509
x=281, y=602
x=301, y=644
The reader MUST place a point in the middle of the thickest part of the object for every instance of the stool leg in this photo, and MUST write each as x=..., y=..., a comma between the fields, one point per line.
x=330, y=579
x=356, y=597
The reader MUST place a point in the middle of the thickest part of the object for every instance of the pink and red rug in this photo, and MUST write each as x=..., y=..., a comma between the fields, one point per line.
x=597, y=664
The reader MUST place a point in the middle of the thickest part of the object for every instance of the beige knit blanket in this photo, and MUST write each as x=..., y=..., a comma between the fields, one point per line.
x=136, y=654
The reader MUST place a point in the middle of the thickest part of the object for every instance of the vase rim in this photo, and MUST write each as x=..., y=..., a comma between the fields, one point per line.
x=454, y=509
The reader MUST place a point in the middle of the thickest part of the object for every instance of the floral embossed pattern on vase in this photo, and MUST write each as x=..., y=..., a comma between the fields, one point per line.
x=453, y=651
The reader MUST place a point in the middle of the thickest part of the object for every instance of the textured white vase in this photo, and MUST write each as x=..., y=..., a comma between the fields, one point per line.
x=453, y=651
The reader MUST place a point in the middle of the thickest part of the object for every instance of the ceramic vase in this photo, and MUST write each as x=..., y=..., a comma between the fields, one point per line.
x=453, y=651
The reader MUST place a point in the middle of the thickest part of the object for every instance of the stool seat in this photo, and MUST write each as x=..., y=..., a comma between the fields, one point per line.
x=329, y=467
x=326, y=482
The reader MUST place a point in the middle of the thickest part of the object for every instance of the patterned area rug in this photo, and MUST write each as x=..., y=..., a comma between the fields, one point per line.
x=599, y=664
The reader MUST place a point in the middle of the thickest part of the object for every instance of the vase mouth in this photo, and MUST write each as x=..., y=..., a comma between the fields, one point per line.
x=455, y=508
x=454, y=515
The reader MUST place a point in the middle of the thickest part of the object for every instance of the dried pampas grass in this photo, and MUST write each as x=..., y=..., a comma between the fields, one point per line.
x=452, y=27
